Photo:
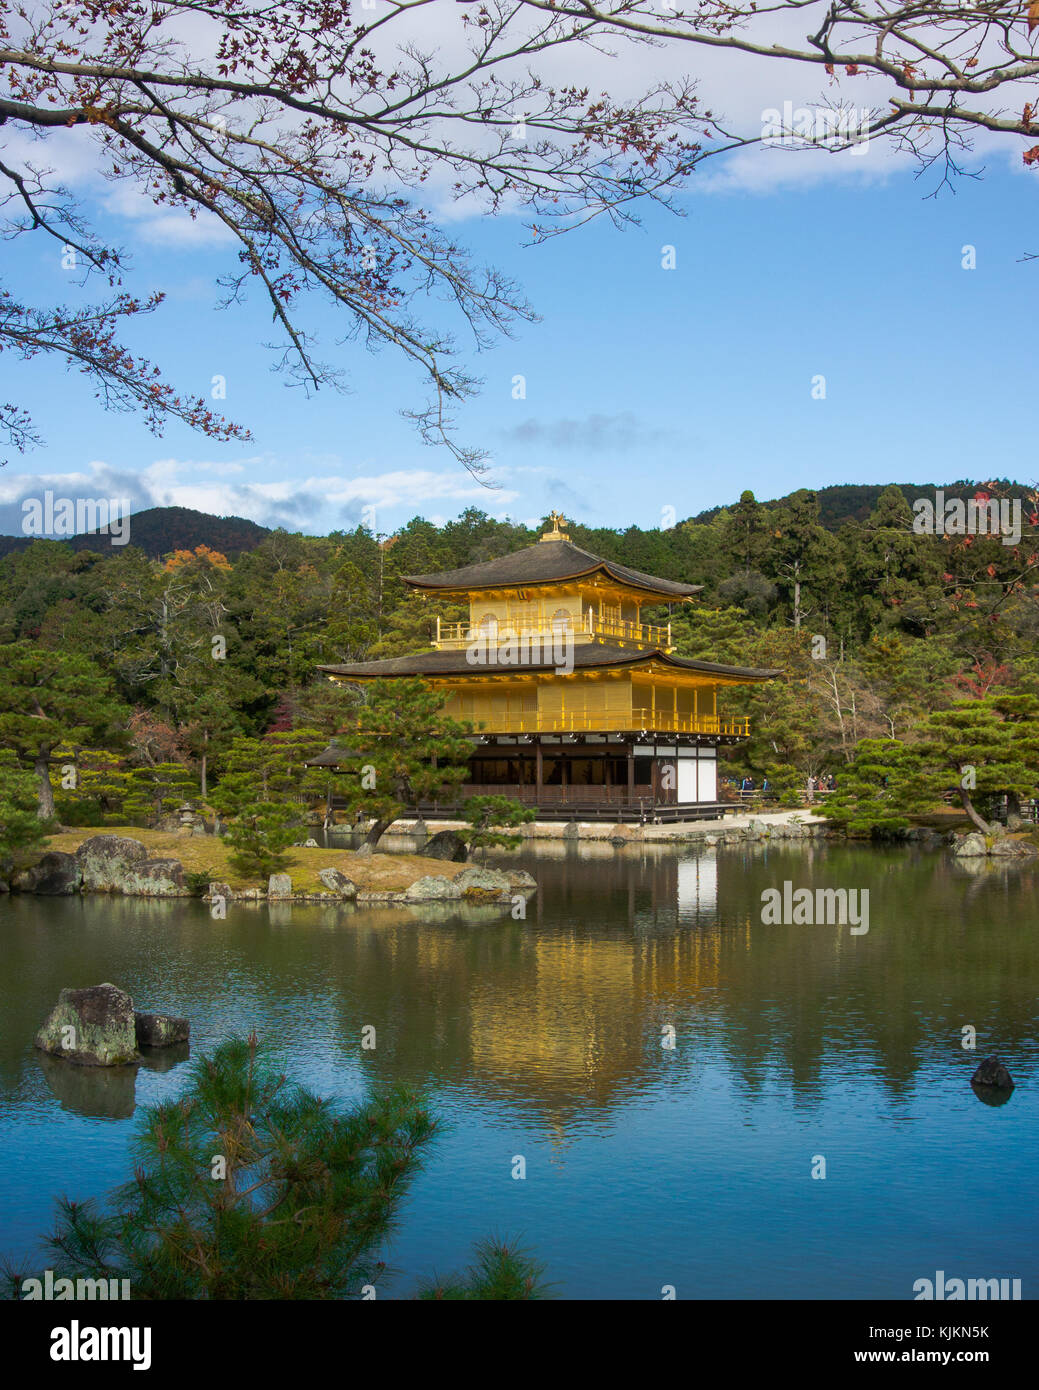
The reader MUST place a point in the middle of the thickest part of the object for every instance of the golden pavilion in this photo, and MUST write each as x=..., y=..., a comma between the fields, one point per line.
x=577, y=705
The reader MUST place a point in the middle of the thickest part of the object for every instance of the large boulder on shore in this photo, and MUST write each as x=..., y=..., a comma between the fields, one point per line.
x=446, y=844
x=55, y=875
x=520, y=879
x=997, y=846
x=337, y=882
x=971, y=846
x=431, y=888
x=1012, y=849
x=105, y=860
x=484, y=884
x=992, y=1072
x=118, y=864
x=155, y=878
x=93, y=1027
x=786, y=830
x=160, y=1030
x=279, y=886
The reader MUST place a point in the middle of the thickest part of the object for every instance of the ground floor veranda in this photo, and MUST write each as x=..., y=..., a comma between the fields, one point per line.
x=595, y=776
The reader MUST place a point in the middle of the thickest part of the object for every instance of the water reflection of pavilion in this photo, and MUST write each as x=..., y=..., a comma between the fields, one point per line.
x=562, y=1015
x=564, y=1012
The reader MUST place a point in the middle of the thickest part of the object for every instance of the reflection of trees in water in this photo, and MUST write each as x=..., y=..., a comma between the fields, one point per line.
x=562, y=1013
x=565, y=1012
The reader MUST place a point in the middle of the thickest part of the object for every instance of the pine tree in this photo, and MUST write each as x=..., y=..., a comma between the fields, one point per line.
x=156, y=791
x=252, y=1187
x=51, y=698
x=980, y=749
x=20, y=823
x=879, y=790
x=803, y=557
x=896, y=573
x=499, y=1272
x=489, y=816
x=745, y=532
x=91, y=787
x=410, y=753
x=262, y=794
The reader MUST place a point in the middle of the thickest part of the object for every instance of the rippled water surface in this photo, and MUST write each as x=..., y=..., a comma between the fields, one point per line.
x=646, y=1166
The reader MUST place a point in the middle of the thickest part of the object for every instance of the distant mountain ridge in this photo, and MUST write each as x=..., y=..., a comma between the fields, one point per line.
x=841, y=502
x=159, y=530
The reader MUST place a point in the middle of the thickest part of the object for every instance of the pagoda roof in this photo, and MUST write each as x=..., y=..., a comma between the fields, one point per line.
x=547, y=562
x=539, y=657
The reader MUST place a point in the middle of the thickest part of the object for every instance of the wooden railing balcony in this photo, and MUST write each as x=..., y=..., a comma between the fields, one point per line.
x=453, y=636
x=536, y=723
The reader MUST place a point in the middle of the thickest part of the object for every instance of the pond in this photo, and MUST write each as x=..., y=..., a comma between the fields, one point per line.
x=647, y=1165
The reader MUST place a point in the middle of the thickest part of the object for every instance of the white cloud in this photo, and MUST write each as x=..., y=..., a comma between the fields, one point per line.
x=170, y=227
x=593, y=433
x=318, y=503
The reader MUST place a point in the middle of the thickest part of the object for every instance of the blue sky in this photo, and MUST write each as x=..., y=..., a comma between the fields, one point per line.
x=645, y=388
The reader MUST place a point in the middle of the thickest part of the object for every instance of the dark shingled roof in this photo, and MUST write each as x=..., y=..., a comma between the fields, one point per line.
x=543, y=563
x=586, y=657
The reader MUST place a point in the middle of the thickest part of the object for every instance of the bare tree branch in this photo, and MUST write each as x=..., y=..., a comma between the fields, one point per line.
x=327, y=148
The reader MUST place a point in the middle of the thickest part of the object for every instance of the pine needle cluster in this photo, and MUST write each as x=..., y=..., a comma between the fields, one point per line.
x=252, y=1187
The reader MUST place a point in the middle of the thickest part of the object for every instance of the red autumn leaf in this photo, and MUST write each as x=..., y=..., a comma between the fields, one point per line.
x=1032, y=155
x=1033, y=15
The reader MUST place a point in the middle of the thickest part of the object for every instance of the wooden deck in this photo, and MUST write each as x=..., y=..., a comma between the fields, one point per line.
x=579, y=804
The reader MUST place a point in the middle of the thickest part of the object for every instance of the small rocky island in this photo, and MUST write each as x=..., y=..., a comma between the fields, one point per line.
x=158, y=865
x=99, y=1027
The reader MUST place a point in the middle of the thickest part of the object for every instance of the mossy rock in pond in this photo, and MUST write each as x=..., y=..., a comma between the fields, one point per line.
x=160, y=1030
x=93, y=1027
x=481, y=884
x=481, y=895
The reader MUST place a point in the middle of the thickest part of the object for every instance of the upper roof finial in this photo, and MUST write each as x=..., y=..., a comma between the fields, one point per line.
x=555, y=534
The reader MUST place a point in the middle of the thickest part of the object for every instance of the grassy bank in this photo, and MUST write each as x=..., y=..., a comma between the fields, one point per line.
x=209, y=854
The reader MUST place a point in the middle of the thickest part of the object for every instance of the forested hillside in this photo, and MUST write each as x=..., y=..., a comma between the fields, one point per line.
x=876, y=627
x=158, y=530
x=843, y=502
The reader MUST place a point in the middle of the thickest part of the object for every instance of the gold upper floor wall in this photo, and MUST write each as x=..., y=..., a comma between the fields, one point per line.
x=591, y=612
x=601, y=703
